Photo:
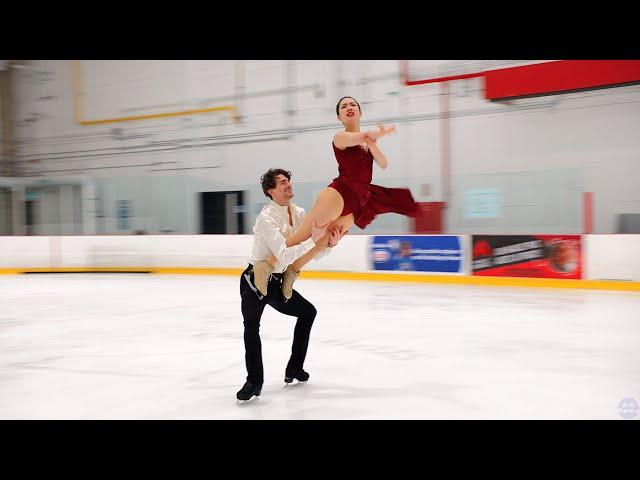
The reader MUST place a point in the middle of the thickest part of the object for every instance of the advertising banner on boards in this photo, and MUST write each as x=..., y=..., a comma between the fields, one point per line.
x=541, y=256
x=417, y=253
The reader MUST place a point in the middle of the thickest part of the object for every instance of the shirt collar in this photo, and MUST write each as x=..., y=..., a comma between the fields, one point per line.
x=284, y=209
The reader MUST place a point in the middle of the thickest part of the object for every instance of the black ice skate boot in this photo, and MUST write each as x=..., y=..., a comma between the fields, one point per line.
x=300, y=375
x=248, y=391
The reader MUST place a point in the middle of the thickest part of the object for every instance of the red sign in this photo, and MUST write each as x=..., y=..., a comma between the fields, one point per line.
x=542, y=256
x=558, y=77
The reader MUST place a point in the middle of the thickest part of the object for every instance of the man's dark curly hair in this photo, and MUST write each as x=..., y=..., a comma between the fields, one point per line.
x=268, y=180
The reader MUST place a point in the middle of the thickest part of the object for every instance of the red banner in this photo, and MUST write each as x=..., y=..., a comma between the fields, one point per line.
x=558, y=77
x=541, y=256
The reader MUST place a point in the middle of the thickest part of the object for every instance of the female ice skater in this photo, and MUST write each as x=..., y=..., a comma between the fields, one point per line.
x=350, y=198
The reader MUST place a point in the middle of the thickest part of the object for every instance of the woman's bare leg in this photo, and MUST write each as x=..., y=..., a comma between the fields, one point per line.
x=328, y=207
x=291, y=273
x=345, y=222
x=303, y=260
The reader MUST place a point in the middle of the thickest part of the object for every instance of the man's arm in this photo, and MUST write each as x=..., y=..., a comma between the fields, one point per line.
x=269, y=229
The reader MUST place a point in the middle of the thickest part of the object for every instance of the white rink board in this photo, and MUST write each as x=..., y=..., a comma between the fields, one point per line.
x=29, y=252
x=612, y=257
x=605, y=257
x=188, y=251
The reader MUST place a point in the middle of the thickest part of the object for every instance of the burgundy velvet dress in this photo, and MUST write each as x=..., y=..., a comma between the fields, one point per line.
x=364, y=200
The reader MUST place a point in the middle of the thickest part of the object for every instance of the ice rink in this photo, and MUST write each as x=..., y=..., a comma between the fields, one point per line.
x=137, y=346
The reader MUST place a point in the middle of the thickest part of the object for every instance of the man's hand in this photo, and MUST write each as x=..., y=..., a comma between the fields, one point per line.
x=334, y=236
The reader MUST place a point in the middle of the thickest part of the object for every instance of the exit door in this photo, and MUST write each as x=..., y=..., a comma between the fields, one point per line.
x=222, y=212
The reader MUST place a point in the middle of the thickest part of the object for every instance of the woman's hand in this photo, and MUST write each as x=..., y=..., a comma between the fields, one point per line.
x=387, y=129
x=382, y=130
x=334, y=236
x=338, y=229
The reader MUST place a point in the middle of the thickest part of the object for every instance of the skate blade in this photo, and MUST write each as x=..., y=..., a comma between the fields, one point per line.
x=288, y=380
x=250, y=400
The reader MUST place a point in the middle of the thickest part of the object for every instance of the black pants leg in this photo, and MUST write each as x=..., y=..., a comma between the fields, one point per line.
x=300, y=307
x=252, y=308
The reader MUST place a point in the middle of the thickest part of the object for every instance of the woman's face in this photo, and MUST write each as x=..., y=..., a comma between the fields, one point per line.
x=348, y=110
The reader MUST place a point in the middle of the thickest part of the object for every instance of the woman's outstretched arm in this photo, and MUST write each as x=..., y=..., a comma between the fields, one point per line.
x=379, y=157
x=343, y=139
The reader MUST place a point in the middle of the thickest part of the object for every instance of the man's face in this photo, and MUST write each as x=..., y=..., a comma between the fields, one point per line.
x=283, y=192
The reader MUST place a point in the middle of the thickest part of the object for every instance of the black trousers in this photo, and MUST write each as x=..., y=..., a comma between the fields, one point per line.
x=252, y=308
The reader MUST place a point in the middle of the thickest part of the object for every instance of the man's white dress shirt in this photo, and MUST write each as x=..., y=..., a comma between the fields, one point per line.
x=271, y=230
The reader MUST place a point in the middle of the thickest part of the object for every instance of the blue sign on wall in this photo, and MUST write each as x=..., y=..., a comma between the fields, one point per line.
x=483, y=203
x=419, y=253
x=123, y=212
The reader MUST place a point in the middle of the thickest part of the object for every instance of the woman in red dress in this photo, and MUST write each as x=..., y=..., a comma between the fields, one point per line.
x=350, y=198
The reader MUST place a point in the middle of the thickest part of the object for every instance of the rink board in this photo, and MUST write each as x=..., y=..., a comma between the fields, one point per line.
x=611, y=262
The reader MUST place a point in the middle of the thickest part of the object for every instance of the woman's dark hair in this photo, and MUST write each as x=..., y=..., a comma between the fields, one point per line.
x=338, y=105
x=268, y=180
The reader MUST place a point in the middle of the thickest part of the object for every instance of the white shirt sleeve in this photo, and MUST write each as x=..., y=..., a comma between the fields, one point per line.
x=269, y=229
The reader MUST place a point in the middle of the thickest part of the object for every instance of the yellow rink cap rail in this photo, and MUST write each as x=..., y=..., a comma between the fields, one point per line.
x=358, y=276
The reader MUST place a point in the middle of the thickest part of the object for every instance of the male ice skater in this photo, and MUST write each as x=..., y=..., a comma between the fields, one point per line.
x=277, y=220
